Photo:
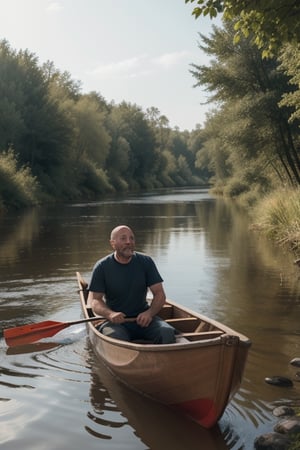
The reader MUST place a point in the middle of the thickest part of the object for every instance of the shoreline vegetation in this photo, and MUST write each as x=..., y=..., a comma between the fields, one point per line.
x=277, y=216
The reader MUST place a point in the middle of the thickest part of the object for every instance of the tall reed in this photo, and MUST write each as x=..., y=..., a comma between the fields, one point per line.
x=278, y=216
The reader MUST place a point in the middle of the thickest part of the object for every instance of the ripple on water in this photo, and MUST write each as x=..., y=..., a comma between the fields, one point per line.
x=44, y=391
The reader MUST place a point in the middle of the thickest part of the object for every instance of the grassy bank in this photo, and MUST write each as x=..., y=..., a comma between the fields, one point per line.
x=278, y=217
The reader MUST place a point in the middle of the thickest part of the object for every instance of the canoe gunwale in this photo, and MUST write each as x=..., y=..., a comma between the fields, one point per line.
x=149, y=347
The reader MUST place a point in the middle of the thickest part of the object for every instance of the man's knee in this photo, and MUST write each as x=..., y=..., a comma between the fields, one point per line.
x=165, y=334
x=114, y=331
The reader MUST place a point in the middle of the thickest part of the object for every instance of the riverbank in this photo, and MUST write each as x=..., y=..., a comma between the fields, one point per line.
x=278, y=217
x=286, y=433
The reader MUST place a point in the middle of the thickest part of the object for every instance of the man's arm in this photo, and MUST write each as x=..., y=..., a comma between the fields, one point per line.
x=159, y=298
x=98, y=305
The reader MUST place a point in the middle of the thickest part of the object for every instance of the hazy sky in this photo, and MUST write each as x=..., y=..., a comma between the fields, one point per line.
x=139, y=51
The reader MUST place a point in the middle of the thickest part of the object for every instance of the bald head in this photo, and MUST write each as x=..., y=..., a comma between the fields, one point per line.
x=118, y=229
x=123, y=242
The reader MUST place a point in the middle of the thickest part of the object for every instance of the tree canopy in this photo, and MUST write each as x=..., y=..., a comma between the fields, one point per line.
x=250, y=144
x=270, y=22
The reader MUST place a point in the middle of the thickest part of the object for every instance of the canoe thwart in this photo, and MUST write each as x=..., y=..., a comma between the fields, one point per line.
x=202, y=335
x=184, y=324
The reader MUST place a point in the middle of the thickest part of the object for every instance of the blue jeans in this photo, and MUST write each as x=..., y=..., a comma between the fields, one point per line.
x=158, y=332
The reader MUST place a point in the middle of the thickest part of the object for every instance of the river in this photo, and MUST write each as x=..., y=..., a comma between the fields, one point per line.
x=55, y=394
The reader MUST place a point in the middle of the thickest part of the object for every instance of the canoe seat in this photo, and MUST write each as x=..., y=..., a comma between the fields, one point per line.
x=202, y=335
x=184, y=324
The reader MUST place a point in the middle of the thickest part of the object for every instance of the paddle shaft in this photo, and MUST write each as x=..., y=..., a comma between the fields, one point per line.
x=26, y=334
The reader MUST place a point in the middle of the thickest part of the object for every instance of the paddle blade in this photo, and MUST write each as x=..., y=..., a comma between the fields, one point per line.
x=26, y=334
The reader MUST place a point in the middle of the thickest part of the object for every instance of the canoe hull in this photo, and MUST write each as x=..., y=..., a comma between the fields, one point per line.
x=197, y=378
x=197, y=381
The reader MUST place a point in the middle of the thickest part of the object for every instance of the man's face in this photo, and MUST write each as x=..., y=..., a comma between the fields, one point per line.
x=123, y=243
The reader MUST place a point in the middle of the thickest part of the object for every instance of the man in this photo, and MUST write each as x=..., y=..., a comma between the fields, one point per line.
x=118, y=289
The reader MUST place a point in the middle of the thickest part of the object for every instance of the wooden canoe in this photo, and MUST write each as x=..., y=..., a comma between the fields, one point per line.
x=197, y=376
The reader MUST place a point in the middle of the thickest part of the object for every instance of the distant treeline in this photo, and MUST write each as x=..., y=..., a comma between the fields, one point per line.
x=58, y=144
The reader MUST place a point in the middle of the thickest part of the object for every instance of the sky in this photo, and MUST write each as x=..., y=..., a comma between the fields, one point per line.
x=139, y=51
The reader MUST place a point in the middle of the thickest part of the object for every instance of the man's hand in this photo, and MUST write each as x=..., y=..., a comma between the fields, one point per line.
x=116, y=317
x=144, y=319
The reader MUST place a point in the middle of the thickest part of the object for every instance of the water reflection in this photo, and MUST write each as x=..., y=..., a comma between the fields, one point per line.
x=31, y=348
x=17, y=235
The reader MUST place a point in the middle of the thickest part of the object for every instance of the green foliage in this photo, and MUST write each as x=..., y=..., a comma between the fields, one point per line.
x=91, y=181
x=30, y=121
x=250, y=198
x=118, y=162
x=77, y=145
x=270, y=22
x=234, y=188
x=290, y=64
x=249, y=138
x=279, y=219
x=91, y=137
x=18, y=188
x=133, y=126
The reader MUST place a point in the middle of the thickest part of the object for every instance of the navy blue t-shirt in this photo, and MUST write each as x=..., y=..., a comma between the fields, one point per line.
x=125, y=285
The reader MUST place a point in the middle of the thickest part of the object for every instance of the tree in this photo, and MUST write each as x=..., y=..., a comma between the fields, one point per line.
x=12, y=95
x=91, y=137
x=131, y=124
x=31, y=122
x=18, y=187
x=160, y=125
x=271, y=22
x=196, y=146
x=251, y=139
x=61, y=80
x=84, y=171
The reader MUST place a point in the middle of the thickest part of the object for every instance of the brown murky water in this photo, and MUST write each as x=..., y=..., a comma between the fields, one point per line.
x=56, y=395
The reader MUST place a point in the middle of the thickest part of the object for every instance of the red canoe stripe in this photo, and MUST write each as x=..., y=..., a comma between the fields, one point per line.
x=201, y=410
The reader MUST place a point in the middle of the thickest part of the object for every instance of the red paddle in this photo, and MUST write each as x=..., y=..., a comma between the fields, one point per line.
x=26, y=334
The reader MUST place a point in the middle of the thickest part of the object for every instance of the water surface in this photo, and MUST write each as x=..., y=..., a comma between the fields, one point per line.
x=56, y=395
